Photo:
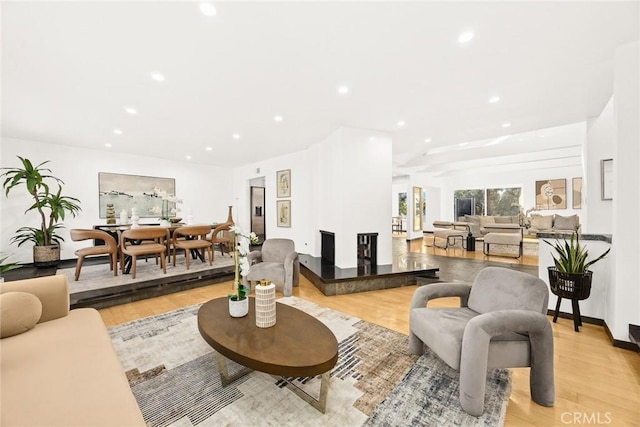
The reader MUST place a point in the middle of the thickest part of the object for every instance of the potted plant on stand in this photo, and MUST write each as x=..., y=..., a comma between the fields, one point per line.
x=570, y=277
x=238, y=301
x=51, y=206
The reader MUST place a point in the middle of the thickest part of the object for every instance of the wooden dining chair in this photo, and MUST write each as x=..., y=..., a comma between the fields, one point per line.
x=110, y=247
x=144, y=241
x=220, y=238
x=192, y=238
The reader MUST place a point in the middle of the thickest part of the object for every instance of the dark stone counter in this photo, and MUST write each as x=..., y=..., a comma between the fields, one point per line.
x=596, y=237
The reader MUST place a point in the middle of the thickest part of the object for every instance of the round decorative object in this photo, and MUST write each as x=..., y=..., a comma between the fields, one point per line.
x=164, y=223
x=238, y=308
x=175, y=220
x=265, y=304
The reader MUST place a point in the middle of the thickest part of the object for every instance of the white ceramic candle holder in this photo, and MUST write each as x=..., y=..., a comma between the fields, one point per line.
x=265, y=305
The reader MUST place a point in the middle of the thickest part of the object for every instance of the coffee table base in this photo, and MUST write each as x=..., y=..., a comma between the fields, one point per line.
x=320, y=404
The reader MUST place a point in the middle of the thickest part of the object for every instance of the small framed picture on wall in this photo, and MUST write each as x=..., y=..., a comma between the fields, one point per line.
x=283, y=183
x=284, y=213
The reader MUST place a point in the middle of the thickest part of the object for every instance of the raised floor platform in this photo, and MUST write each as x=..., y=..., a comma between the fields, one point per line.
x=332, y=280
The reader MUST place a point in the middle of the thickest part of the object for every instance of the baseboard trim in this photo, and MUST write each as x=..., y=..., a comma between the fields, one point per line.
x=585, y=319
x=626, y=345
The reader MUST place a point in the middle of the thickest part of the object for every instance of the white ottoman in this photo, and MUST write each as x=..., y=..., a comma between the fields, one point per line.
x=511, y=239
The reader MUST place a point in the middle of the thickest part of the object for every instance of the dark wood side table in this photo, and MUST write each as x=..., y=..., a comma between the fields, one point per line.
x=298, y=345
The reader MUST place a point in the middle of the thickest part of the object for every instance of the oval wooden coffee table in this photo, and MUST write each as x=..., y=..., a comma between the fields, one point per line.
x=298, y=345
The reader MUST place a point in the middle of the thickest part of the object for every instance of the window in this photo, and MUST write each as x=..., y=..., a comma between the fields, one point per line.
x=491, y=201
x=402, y=204
x=503, y=201
x=476, y=195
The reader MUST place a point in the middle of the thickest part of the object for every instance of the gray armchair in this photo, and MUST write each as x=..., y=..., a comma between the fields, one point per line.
x=278, y=262
x=501, y=323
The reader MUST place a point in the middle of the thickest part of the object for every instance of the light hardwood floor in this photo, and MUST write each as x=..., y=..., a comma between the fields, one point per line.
x=594, y=380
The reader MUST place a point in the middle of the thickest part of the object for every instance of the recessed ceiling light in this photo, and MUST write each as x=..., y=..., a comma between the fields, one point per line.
x=343, y=90
x=117, y=131
x=131, y=110
x=208, y=9
x=494, y=99
x=400, y=123
x=107, y=145
x=278, y=118
x=506, y=125
x=235, y=136
x=427, y=141
x=465, y=37
x=159, y=77
x=209, y=148
x=188, y=157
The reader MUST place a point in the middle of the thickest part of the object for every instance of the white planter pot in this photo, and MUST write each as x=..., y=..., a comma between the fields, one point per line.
x=239, y=308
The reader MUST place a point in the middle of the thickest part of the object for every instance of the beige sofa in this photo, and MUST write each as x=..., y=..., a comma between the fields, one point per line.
x=63, y=371
x=554, y=224
x=477, y=223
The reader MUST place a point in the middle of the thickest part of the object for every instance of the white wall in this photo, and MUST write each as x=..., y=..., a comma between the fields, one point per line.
x=601, y=137
x=301, y=198
x=624, y=300
x=341, y=184
x=525, y=179
x=206, y=190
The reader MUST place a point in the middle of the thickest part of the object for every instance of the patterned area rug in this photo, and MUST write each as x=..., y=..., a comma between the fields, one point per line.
x=376, y=382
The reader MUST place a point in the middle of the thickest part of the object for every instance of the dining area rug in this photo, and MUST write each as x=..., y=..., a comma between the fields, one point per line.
x=376, y=381
x=99, y=276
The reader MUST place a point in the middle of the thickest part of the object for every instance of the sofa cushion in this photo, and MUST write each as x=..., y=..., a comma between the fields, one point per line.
x=566, y=222
x=542, y=222
x=20, y=311
x=502, y=219
x=473, y=219
x=485, y=220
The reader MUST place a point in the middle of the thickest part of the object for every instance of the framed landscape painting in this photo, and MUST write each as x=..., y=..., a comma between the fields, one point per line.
x=284, y=213
x=551, y=194
x=133, y=191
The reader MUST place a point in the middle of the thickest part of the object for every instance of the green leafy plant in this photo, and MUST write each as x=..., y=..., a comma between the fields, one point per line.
x=571, y=257
x=51, y=206
x=8, y=266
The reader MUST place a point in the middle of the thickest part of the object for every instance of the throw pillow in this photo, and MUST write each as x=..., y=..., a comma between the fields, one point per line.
x=542, y=222
x=566, y=222
x=486, y=220
x=473, y=219
x=19, y=312
x=502, y=219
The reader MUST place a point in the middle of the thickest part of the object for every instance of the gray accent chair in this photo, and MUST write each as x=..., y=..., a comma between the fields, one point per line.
x=501, y=323
x=277, y=262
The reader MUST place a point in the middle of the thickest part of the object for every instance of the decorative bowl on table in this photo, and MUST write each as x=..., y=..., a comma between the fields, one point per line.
x=175, y=220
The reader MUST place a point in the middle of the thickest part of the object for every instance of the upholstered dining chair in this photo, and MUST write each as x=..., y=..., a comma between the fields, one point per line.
x=220, y=237
x=277, y=262
x=144, y=241
x=191, y=238
x=110, y=247
x=501, y=323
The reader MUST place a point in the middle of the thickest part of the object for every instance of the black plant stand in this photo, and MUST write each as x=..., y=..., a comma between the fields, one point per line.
x=571, y=286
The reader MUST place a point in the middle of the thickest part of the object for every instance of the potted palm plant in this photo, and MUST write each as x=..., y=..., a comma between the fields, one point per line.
x=50, y=204
x=570, y=277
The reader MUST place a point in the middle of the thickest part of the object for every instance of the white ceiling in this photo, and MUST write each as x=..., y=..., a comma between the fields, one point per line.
x=70, y=68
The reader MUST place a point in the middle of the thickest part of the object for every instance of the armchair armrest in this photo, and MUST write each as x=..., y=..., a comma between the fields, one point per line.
x=52, y=291
x=475, y=353
x=254, y=257
x=425, y=293
x=290, y=259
